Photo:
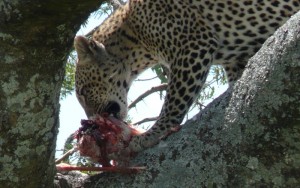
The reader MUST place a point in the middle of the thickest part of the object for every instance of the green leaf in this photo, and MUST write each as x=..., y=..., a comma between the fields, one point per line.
x=69, y=80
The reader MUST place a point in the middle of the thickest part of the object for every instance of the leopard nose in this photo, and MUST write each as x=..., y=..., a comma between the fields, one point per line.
x=112, y=108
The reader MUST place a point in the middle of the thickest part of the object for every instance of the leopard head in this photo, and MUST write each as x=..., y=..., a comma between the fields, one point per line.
x=101, y=80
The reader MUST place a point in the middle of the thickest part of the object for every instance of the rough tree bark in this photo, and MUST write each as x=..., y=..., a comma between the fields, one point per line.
x=35, y=39
x=248, y=137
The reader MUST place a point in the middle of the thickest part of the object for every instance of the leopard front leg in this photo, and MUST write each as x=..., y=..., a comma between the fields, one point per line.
x=187, y=76
x=234, y=70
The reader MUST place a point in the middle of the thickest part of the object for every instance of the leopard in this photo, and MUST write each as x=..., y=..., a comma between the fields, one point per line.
x=185, y=36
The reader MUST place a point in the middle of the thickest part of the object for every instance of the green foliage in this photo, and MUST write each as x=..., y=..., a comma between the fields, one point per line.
x=69, y=80
x=160, y=72
x=218, y=74
x=105, y=10
x=217, y=78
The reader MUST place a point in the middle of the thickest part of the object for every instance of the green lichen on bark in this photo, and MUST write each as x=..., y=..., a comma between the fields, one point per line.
x=32, y=108
x=35, y=38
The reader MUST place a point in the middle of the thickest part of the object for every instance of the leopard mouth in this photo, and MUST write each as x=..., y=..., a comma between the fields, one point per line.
x=113, y=108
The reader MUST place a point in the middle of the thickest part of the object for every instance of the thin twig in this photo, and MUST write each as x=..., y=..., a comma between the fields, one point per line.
x=161, y=87
x=67, y=154
x=146, y=79
x=66, y=167
x=146, y=120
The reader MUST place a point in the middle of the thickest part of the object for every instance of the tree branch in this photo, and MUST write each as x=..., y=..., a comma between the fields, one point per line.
x=247, y=137
x=66, y=155
x=36, y=38
x=145, y=120
x=161, y=87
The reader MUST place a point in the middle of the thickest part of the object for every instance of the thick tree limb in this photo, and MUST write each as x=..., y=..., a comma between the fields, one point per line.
x=248, y=137
x=35, y=39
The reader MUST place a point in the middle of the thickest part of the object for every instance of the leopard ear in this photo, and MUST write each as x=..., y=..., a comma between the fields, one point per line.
x=88, y=50
x=131, y=2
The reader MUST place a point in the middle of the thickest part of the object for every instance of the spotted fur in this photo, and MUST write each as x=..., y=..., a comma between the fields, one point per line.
x=187, y=36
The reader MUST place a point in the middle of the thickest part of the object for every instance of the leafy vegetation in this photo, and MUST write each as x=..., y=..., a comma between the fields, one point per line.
x=69, y=80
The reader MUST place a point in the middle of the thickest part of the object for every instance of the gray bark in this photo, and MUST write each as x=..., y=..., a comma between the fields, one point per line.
x=248, y=137
x=35, y=39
